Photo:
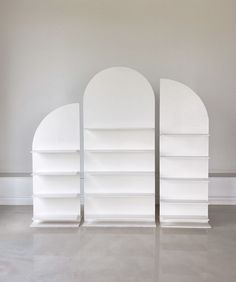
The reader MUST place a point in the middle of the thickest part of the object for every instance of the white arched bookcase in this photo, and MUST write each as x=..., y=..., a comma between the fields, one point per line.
x=56, y=169
x=184, y=154
x=119, y=144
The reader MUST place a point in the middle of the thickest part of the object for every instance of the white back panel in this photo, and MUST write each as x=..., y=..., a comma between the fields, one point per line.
x=96, y=161
x=120, y=183
x=118, y=206
x=184, y=145
x=119, y=97
x=59, y=129
x=120, y=139
x=181, y=111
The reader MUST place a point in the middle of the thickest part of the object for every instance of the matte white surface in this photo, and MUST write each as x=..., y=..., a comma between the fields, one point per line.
x=54, y=225
x=56, y=162
x=56, y=195
x=183, y=209
x=184, y=189
x=186, y=218
x=123, y=139
x=181, y=111
x=184, y=168
x=119, y=161
x=120, y=183
x=59, y=129
x=56, y=207
x=196, y=225
x=119, y=97
x=119, y=140
x=184, y=134
x=180, y=145
x=120, y=207
x=62, y=184
x=51, y=151
x=57, y=217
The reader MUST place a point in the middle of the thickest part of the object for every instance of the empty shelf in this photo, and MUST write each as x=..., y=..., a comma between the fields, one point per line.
x=57, y=195
x=185, y=179
x=184, y=134
x=120, y=217
x=119, y=195
x=185, y=225
x=183, y=201
x=55, y=225
x=56, y=173
x=120, y=223
x=186, y=157
x=119, y=128
x=55, y=151
x=183, y=218
x=119, y=150
x=119, y=172
x=62, y=217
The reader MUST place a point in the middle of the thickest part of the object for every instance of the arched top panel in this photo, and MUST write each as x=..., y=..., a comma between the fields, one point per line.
x=119, y=97
x=59, y=129
x=181, y=109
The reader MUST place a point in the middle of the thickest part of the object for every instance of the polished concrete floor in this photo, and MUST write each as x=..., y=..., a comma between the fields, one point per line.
x=116, y=254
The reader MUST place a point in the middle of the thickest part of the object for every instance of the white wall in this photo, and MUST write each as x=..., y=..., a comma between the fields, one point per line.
x=50, y=49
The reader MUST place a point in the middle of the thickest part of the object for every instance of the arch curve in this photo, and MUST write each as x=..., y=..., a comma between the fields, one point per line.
x=119, y=97
x=182, y=110
x=59, y=129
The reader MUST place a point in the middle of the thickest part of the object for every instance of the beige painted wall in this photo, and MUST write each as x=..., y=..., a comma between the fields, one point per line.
x=49, y=49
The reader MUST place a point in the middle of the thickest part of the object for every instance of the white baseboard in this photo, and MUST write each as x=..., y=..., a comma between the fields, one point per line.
x=222, y=190
x=17, y=190
x=222, y=200
x=16, y=201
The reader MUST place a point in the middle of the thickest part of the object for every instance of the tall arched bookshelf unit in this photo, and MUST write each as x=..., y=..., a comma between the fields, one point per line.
x=119, y=149
x=184, y=154
x=56, y=169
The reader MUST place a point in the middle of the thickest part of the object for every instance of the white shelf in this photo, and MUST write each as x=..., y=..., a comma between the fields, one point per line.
x=186, y=157
x=57, y=195
x=119, y=150
x=184, y=179
x=120, y=128
x=183, y=218
x=56, y=173
x=123, y=217
x=119, y=172
x=55, y=151
x=183, y=201
x=184, y=134
x=196, y=225
x=55, y=225
x=58, y=217
x=121, y=223
x=119, y=195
